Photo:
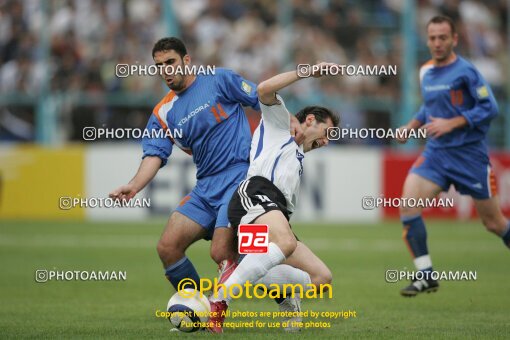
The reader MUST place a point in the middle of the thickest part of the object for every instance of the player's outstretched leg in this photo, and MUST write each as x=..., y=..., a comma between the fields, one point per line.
x=493, y=219
x=305, y=268
x=289, y=301
x=179, y=234
x=255, y=266
x=415, y=234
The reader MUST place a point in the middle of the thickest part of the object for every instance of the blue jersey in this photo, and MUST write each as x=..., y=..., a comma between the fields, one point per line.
x=207, y=121
x=457, y=89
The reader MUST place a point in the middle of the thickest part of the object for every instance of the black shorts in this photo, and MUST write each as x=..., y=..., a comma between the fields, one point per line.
x=255, y=197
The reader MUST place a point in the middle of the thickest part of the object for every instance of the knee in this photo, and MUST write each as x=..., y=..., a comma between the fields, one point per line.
x=493, y=224
x=223, y=245
x=169, y=251
x=219, y=254
x=287, y=245
x=322, y=278
x=406, y=211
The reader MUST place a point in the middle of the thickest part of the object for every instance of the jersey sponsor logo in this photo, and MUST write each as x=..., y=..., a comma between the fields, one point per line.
x=193, y=114
x=300, y=158
x=482, y=92
x=437, y=87
x=246, y=87
x=253, y=238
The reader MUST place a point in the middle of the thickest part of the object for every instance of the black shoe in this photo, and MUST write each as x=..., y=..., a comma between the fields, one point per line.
x=420, y=286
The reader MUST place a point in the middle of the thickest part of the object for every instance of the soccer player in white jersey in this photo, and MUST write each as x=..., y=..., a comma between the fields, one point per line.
x=269, y=194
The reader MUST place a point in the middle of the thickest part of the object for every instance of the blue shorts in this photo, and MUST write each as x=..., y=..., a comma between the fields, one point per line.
x=467, y=167
x=207, y=203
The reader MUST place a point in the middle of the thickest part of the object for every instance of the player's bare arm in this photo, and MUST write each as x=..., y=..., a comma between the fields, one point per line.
x=267, y=95
x=146, y=172
x=268, y=88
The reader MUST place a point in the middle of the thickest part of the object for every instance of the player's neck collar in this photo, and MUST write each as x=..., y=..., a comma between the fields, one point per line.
x=192, y=82
x=451, y=59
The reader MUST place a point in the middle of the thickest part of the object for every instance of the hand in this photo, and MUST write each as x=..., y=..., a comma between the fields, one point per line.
x=296, y=130
x=125, y=192
x=322, y=66
x=438, y=127
x=402, y=137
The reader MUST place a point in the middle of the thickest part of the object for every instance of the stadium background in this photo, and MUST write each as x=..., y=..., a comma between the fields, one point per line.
x=57, y=76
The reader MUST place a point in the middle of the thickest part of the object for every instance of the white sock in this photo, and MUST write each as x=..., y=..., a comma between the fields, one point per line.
x=285, y=274
x=252, y=268
x=423, y=262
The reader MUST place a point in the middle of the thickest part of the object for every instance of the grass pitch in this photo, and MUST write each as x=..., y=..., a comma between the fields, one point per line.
x=358, y=256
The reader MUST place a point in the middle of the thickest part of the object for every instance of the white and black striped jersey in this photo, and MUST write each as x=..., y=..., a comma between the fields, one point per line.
x=274, y=153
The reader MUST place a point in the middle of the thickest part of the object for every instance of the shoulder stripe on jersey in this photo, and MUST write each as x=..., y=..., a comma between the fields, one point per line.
x=161, y=111
x=289, y=141
x=166, y=99
x=274, y=167
x=425, y=67
x=278, y=158
x=261, y=140
x=157, y=109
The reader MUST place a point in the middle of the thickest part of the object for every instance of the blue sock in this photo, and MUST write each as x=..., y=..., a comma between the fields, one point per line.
x=506, y=236
x=182, y=269
x=415, y=236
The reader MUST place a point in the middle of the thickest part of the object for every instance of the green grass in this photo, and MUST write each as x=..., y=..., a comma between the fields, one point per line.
x=358, y=256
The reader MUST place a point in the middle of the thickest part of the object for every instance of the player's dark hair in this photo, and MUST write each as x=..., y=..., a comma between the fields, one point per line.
x=439, y=19
x=321, y=114
x=170, y=43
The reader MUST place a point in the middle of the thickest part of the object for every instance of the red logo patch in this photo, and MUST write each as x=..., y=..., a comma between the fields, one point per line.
x=253, y=238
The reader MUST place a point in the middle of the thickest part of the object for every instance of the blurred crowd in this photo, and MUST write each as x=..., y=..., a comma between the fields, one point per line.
x=79, y=42
x=86, y=39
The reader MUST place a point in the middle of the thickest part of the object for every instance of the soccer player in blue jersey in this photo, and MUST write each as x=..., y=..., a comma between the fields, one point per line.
x=207, y=109
x=457, y=110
